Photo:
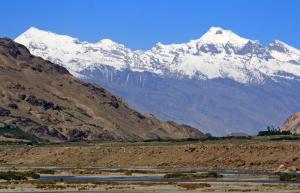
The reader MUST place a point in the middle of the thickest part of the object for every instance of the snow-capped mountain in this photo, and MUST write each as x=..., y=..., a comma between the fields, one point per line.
x=218, y=53
x=220, y=82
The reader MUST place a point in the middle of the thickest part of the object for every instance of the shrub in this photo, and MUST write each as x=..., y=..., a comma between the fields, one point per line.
x=31, y=174
x=15, y=132
x=193, y=175
x=193, y=186
x=13, y=175
x=273, y=131
x=289, y=176
x=128, y=173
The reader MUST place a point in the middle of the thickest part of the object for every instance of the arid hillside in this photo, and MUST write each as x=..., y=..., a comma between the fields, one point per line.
x=45, y=100
x=292, y=124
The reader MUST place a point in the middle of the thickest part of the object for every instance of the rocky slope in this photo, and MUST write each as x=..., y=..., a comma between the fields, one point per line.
x=44, y=99
x=292, y=124
x=221, y=82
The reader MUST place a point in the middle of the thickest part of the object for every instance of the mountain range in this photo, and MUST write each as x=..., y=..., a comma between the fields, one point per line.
x=221, y=83
x=43, y=100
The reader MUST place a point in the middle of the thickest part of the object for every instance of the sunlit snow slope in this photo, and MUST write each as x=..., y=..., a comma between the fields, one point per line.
x=221, y=82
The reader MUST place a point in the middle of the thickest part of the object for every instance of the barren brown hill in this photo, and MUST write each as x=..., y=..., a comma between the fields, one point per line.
x=292, y=124
x=44, y=99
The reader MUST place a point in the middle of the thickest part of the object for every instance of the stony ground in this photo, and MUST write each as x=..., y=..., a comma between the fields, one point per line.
x=147, y=187
x=232, y=154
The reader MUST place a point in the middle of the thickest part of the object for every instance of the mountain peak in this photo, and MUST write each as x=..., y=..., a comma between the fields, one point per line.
x=33, y=29
x=284, y=52
x=282, y=47
x=218, y=35
x=34, y=33
x=217, y=30
x=92, y=112
x=107, y=42
x=217, y=46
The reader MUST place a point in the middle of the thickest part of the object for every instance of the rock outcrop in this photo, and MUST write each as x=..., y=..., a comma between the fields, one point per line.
x=292, y=124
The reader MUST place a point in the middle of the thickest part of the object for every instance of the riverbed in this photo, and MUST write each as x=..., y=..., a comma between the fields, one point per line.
x=146, y=180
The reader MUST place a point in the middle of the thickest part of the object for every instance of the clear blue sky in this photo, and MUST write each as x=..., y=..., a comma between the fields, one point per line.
x=139, y=24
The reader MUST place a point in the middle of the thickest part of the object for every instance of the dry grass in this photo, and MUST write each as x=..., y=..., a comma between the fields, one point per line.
x=193, y=186
x=128, y=173
x=52, y=187
x=242, y=190
x=153, y=183
x=82, y=186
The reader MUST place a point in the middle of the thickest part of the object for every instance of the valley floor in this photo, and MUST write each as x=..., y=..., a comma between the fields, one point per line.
x=158, y=188
x=140, y=167
x=238, y=154
x=69, y=180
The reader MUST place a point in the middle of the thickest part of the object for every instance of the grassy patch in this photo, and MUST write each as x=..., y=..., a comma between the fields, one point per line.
x=193, y=186
x=229, y=139
x=286, y=137
x=289, y=176
x=15, y=132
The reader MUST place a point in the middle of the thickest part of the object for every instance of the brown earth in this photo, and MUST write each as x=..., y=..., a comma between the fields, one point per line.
x=146, y=187
x=44, y=99
x=207, y=155
x=292, y=124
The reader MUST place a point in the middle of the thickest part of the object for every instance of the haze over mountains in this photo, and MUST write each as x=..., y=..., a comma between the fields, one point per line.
x=221, y=83
x=45, y=100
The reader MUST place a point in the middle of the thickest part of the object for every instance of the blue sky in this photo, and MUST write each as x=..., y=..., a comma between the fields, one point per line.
x=139, y=24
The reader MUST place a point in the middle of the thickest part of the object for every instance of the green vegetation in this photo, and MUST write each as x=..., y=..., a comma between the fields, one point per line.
x=269, y=135
x=273, y=131
x=193, y=175
x=285, y=137
x=13, y=175
x=16, y=133
x=289, y=176
x=227, y=139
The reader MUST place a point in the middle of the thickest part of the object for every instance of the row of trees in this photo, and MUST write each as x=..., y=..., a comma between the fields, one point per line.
x=273, y=131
